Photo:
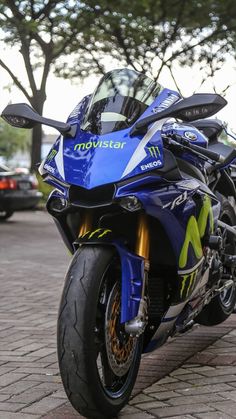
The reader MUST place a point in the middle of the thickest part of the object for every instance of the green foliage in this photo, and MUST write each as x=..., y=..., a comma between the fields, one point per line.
x=13, y=139
x=147, y=35
x=75, y=39
x=150, y=35
x=42, y=31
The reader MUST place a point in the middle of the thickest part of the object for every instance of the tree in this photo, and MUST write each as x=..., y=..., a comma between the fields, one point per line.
x=12, y=140
x=147, y=35
x=150, y=35
x=42, y=30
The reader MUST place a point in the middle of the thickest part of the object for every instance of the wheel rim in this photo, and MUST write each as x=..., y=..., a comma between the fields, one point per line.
x=119, y=346
x=116, y=351
x=226, y=297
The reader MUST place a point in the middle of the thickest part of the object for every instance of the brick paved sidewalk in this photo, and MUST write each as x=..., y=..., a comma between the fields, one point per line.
x=193, y=376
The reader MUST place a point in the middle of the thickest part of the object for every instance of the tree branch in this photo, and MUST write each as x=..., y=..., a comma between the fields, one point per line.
x=178, y=20
x=67, y=42
x=26, y=57
x=45, y=11
x=174, y=79
x=15, y=79
x=99, y=65
x=14, y=9
x=46, y=70
x=202, y=41
x=120, y=39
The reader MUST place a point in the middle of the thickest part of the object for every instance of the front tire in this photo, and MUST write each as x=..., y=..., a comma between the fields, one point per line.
x=98, y=361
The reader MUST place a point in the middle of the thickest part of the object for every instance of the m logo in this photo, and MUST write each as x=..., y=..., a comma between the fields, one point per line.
x=195, y=231
x=154, y=151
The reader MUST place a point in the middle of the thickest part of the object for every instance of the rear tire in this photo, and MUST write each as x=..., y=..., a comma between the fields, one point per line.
x=221, y=306
x=89, y=311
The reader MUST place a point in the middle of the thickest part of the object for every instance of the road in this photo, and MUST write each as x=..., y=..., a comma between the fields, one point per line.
x=191, y=377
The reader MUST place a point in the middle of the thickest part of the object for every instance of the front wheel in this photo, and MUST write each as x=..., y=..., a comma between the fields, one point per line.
x=98, y=360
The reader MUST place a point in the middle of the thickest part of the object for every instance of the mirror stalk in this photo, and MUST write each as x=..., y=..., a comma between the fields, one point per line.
x=22, y=115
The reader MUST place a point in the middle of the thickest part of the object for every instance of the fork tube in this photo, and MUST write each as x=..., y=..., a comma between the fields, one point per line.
x=86, y=224
x=143, y=239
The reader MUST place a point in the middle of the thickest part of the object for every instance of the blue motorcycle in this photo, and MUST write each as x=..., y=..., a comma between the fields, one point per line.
x=144, y=201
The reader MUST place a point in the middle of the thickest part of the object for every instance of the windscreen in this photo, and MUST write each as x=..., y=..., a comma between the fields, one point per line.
x=118, y=101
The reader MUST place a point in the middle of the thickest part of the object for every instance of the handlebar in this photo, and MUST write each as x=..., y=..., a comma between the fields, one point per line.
x=208, y=153
x=181, y=143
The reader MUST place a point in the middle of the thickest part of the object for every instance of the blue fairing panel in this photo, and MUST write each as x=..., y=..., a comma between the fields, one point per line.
x=90, y=160
x=132, y=282
x=132, y=269
x=172, y=205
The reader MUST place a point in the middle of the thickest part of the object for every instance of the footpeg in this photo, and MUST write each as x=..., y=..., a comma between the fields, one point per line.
x=225, y=286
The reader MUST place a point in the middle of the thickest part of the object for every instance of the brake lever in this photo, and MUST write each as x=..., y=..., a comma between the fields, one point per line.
x=202, y=153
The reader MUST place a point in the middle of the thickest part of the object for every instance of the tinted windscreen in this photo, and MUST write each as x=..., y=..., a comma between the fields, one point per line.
x=120, y=98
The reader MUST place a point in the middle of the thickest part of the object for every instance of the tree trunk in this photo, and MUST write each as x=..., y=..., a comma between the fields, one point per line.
x=37, y=103
x=36, y=147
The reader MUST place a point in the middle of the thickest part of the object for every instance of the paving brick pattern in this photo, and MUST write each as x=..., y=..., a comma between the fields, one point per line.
x=193, y=376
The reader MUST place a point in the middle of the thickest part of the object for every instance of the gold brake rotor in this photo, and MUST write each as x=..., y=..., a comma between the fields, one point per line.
x=119, y=349
x=120, y=346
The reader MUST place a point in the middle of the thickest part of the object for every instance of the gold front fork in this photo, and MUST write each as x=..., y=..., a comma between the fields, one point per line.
x=143, y=239
x=86, y=224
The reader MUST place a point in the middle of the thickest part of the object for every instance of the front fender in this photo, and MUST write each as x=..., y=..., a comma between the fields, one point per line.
x=132, y=267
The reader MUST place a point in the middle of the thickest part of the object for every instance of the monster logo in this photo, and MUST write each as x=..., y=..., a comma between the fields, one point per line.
x=187, y=284
x=154, y=151
x=51, y=155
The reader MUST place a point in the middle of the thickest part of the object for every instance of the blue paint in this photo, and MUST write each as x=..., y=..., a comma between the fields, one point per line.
x=89, y=166
x=132, y=280
x=91, y=160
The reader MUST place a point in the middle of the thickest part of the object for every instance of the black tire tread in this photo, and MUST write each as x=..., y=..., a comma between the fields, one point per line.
x=90, y=408
x=78, y=303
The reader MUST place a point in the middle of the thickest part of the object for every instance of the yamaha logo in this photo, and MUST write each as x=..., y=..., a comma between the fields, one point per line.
x=190, y=136
x=172, y=98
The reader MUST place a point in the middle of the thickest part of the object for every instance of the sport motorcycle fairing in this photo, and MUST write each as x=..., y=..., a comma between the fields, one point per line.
x=91, y=160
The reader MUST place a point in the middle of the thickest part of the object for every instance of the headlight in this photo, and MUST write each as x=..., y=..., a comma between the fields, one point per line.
x=57, y=204
x=130, y=203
